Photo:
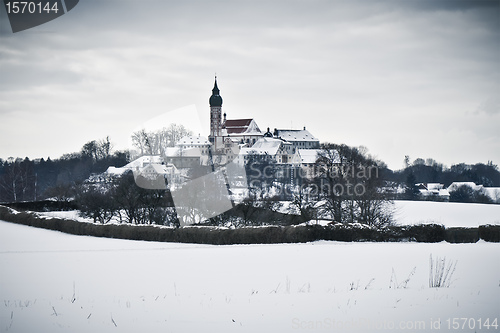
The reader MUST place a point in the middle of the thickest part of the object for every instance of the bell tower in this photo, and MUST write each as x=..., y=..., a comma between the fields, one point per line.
x=215, y=102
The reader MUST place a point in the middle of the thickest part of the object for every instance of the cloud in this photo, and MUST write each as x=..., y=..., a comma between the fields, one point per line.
x=451, y=5
x=350, y=71
x=490, y=106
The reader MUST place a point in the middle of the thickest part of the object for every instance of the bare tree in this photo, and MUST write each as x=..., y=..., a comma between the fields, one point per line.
x=127, y=196
x=104, y=147
x=97, y=149
x=141, y=141
x=94, y=201
x=156, y=142
x=350, y=187
x=331, y=181
x=302, y=202
x=90, y=150
x=18, y=181
x=175, y=132
x=373, y=207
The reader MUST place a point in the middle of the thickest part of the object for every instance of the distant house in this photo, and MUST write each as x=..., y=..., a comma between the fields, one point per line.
x=190, y=151
x=306, y=157
x=243, y=131
x=300, y=139
x=307, y=160
x=183, y=158
x=194, y=141
x=136, y=164
x=267, y=149
x=151, y=168
x=433, y=189
x=152, y=176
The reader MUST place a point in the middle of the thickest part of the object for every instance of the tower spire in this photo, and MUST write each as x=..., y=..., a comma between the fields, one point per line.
x=215, y=102
x=215, y=99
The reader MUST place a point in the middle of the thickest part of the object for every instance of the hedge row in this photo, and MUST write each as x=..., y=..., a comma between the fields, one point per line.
x=430, y=233
x=43, y=205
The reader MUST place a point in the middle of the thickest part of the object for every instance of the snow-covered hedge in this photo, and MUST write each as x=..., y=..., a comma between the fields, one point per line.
x=490, y=233
x=430, y=233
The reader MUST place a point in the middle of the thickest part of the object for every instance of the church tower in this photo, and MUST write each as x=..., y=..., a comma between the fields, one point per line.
x=215, y=115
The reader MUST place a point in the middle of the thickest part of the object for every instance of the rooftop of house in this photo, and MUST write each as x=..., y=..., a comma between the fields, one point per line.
x=263, y=146
x=241, y=126
x=193, y=140
x=294, y=135
x=311, y=156
x=138, y=163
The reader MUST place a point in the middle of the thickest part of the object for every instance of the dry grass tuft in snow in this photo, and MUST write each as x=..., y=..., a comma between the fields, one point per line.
x=441, y=272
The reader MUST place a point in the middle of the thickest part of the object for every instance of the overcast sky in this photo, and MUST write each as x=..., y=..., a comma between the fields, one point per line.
x=417, y=78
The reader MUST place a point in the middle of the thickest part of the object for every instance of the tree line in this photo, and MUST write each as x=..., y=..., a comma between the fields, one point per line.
x=32, y=180
x=431, y=171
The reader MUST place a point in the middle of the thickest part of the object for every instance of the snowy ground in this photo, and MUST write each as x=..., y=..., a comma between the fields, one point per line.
x=69, y=215
x=54, y=282
x=449, y=214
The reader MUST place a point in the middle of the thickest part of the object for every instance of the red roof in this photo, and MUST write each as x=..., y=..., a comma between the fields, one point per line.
x=235, y=126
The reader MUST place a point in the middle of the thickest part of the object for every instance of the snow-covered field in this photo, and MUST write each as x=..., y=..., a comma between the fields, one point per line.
x=54, y=282
x=449, y=214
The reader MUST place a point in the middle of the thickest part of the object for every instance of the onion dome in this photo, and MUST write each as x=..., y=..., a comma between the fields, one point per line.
x=215, y=99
